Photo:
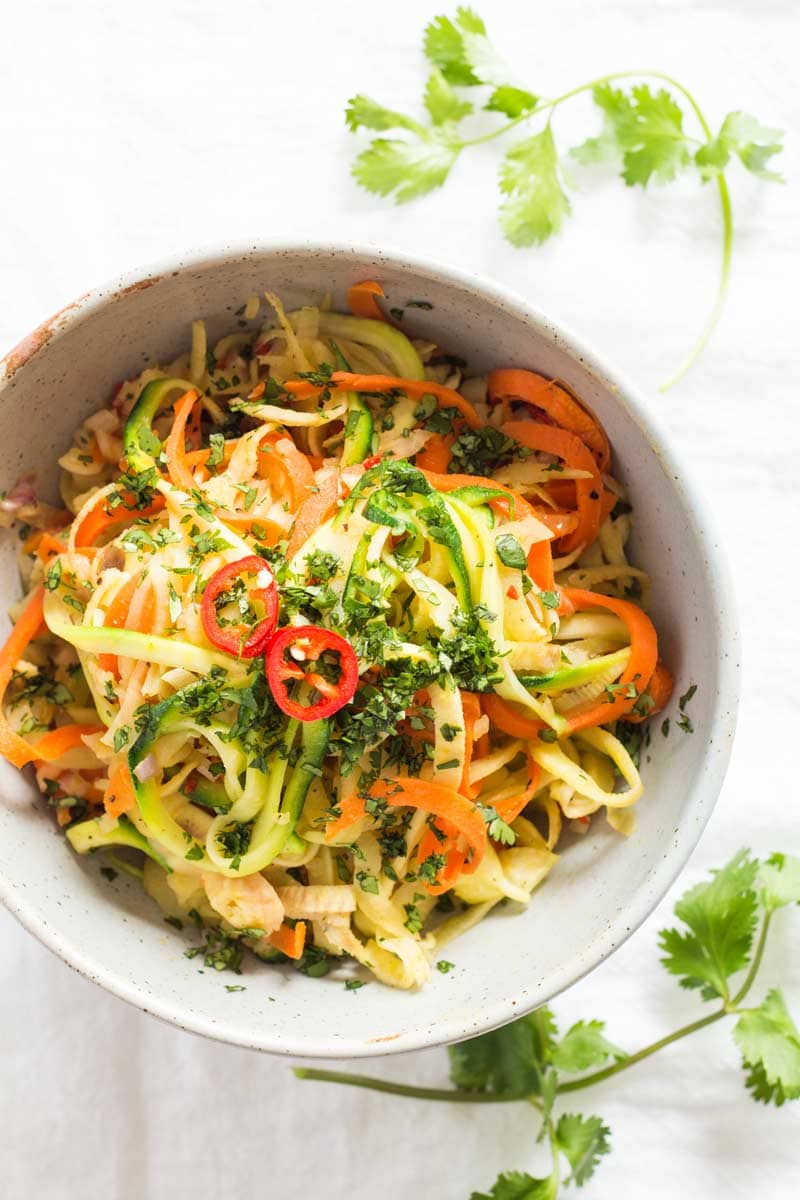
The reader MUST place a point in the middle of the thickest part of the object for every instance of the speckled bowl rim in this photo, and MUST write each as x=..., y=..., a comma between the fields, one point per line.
x=703, y=793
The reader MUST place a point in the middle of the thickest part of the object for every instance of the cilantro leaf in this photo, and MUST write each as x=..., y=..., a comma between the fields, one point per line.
x=644, y=128
x=445, y=46
x=655, y=144
x=496, y=827
x=507, y=1060
x=721, y=918
x=407, y=169
x=518, y=1185
x=753, y=144
x=770, y=1044
x=778, y=881
x=584, y=1046
x=615, y=107
x=583, y=1141
x=536, y=203
x=441, y=101
x=511, y=101
x=363, y=112
x=510, y=552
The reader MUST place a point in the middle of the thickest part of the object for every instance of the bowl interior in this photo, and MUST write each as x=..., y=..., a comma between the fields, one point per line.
x=604, y=885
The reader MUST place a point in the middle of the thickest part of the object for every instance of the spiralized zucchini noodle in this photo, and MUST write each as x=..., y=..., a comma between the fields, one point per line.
x=331, y=644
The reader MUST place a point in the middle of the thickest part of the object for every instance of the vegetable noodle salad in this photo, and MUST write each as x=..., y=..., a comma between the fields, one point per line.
x=335, y=639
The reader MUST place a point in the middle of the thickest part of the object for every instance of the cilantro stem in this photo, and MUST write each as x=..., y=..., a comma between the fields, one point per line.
x=726, y=211
x=496, y=133
x=575, y=1085
x=755, y=964
x=402, y=1089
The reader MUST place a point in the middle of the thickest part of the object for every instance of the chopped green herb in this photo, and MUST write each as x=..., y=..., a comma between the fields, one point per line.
x=216, y=443
x=510, y=552
x=367, y=882
x=496, y=827
x=175, y=605
x=53, y=577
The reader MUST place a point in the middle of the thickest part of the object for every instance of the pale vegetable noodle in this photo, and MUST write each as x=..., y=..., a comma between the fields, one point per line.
x=332, y=645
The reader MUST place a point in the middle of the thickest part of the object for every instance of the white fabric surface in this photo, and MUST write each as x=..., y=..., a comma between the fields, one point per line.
x=132, y=131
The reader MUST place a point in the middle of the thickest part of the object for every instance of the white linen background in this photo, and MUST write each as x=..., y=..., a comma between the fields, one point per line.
x=134, y=131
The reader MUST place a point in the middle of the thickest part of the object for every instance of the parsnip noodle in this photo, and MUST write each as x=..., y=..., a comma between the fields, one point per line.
x=462, y=533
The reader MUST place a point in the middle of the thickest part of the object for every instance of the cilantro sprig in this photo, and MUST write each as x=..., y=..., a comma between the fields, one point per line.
x=652, y=130
x=717, y=949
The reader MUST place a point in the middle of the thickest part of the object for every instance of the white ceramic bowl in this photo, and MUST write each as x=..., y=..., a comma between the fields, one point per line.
x=604, y=886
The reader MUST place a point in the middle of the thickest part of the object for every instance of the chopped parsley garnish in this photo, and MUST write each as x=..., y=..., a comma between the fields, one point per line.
x=53, y=577
x=175, y=606
x=234, y=841
x=430, y=867
x=470, y=655
x=684, y=720
x=203, y=545
x=482, y=451
x=635, y=738
x=220, y=952
x=314, y=962
x=134, y=489
x=216, y=444
x=413, y=921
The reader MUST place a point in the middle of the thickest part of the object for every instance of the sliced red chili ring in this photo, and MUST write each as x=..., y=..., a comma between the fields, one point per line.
x=306, y=654
x=245, y=639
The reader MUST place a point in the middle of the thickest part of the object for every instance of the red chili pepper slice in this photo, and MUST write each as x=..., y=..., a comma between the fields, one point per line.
x=243, y=638
x=304, y=653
